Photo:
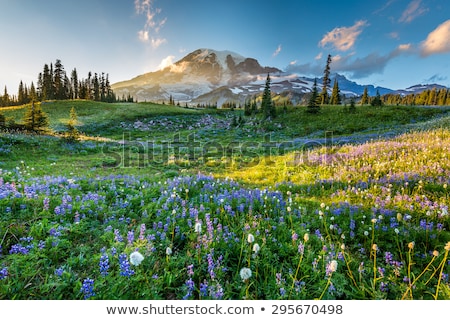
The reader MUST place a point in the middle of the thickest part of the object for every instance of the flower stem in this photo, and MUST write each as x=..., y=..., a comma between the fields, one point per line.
x=440, y=274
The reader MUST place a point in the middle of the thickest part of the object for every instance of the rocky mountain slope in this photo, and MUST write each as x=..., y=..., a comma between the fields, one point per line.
x=209, y=76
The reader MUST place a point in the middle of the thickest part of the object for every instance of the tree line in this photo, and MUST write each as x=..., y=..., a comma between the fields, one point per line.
x=429, y=97
x=54, y=84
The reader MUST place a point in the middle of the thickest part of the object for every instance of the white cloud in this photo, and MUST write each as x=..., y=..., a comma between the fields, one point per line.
x=166, y=62
x=438, y=40
x=157, y=42
x=152, y=23
x=143, y=35
x=405, y=47
x=319, y=56
x=343, y=38
x=277, y=51
x=394, y=35
x=412, y=11
x=357, y=67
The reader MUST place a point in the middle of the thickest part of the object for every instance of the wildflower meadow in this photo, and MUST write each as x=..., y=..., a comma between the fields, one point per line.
x=356, y=220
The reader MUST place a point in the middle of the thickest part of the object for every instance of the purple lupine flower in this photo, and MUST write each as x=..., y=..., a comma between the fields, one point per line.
x=18, y=248
x=46, y=203
x=384, y=287
x=124, y=265
x=388, y=257
x=117, y=236
x=3, y=273
x=59, y=271
x=104, y=265
x=130, y=237
x=218, y=292
x=317, y=233
x=87, y=288
x=41, y=244
x=204, y=288
x=190, y=270
x=190, y=285
x=211, y=266
x=142, y=232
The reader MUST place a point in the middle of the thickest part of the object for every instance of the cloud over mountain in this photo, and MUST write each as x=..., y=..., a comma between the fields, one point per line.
x=438, y=41
x=343, y=38
x=412, y=11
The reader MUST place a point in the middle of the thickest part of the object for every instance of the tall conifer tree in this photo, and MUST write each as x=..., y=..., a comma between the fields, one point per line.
x=326, y=81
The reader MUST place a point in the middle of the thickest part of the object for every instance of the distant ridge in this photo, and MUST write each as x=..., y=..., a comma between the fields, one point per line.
x=211, y=76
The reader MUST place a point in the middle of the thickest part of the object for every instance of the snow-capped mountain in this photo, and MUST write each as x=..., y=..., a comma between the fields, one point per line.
x=418, y=88
x=210, y=76
x=198, y=73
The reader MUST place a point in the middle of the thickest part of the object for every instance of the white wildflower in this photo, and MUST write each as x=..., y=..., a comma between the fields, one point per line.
x=245, y=273
x=198, y=227
x=136, y=258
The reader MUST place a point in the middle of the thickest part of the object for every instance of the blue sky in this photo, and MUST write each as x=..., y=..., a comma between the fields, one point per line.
x=390, y=43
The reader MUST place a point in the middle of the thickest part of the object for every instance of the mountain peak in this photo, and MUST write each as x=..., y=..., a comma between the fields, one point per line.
x=212, y=76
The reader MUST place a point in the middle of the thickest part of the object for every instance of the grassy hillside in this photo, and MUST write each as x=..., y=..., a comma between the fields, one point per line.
x=257, y=213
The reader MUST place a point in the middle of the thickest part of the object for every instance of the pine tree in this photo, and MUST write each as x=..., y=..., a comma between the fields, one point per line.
x=326, y=81
x=5, y=98
x=313, y=105
x=442, y=97
x=447, y=100
x=72, y=134
x=247, y=108
x=35, y=119
x=267, y=105
x=21, y=94
x=352, y=108
x=377, y=102
x=32, y=96
x=336, y=94
x=365, y=97
x=74, y=83
x=59, y=77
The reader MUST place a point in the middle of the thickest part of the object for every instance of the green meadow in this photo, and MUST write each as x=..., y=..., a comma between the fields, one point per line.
x=166, y=202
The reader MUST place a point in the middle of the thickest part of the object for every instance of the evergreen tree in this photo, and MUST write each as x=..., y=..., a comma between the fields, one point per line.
x=313, y=104
x=47, y=84
x=377, y=102
x=32, y=96
x=35, y=119
x=352, y=108
x=96, y=87
x=72, y=134
x=326, y=81
x=267, y=105
x=365, y=97
x=5, y=98
x=432, y=97
x=442, y=96
x=247, y=108
x=59, y=77
x=447, y=100
x=74, y=83
x=254, y=107
x=336, y=94
x=21, y=94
